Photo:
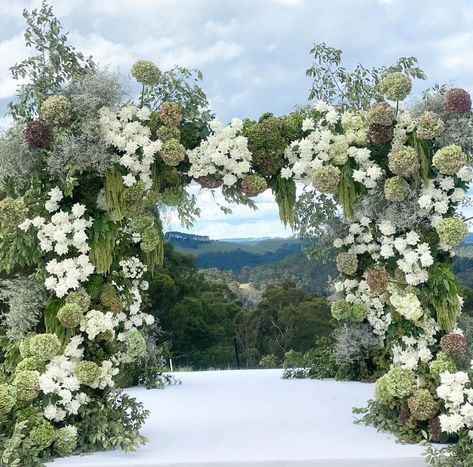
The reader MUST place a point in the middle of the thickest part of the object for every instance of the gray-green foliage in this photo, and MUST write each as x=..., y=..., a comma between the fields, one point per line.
x=356, y=89
x=17, y=160
x=54, y=63
x=82, y=145
x=24, y=299
x=353, y=343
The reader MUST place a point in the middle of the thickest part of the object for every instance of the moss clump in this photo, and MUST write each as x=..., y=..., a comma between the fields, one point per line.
x=110, y=299
x=267, y=144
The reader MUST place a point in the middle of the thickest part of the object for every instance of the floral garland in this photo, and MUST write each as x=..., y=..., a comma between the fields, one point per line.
x=93, y=238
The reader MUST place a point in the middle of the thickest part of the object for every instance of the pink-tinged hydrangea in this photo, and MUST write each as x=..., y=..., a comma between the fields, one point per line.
x=429, y=126
x=453, y=343
x=457, y=100
x=381, y=114
x=38, y=134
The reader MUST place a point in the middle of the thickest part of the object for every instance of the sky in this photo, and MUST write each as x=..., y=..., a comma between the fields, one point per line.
x=253, y=54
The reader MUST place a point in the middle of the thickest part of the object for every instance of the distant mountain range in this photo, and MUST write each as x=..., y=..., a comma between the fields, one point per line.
x=235, y=253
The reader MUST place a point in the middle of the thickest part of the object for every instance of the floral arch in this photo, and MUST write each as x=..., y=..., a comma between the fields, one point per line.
x=83, y=171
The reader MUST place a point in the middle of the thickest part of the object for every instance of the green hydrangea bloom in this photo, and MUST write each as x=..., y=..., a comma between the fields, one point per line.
x=397, y=383
x=396, y=189
x=70, y=315
x=165, y=133
x=31, y=363
x=87, y=372
x=338, y=150
x=26, y=385
x=326, y=178
x=66, y=440
x=79, y=297
x=45, y=346
x=381, y=114
x=441, y=364
x=395, y=86
x=381, y=392
x=150, y=239
x=422, y=405
x=429, y=126
x=345, y=311
x=110, y=299
x=56, y=110
x=135, y=345
x=7, y=398
x=449, y=159
x=25, y=347
x=146, y=72
x=452, y=231
x=404, y=161
x=347, y=262
x=253, y=185
x=12, y=212
x=172, y=152
x=43, y=434
x=133, y=198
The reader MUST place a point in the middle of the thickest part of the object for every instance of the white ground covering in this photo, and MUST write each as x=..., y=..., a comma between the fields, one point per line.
x=255, y=418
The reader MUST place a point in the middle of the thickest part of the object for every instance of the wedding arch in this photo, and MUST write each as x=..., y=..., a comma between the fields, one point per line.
x=82, y=173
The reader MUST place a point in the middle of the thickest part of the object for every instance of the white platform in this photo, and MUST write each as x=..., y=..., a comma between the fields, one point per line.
x=255, y=418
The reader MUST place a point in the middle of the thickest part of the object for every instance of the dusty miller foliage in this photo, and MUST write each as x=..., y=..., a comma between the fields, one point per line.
x=353, y=343
x=82, y=145
x=17, y=160
x=401, y=215
x=23, y=300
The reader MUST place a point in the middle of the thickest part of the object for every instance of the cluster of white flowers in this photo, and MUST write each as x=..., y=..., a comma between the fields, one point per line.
x=60, y=381
x=96, y=322
x=64, y=234
x=64, y=231
x=406, y=304
x=67, y=274
x=55, y=195
x=320, y=146
x=441, y=194
x=108, y=369
x=135, y=317
x=457, y=395
x=124, y=131
x=224, y=153
x=359, y=238
x=415, y=349
x=132, y=268
x=356, y=291
x=369, y=173
x=413, y=256
x=405, y=124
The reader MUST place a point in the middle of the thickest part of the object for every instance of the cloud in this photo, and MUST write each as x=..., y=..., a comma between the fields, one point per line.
x=11, y=50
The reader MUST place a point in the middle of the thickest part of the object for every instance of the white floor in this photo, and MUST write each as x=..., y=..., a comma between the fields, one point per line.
x=255, y=418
